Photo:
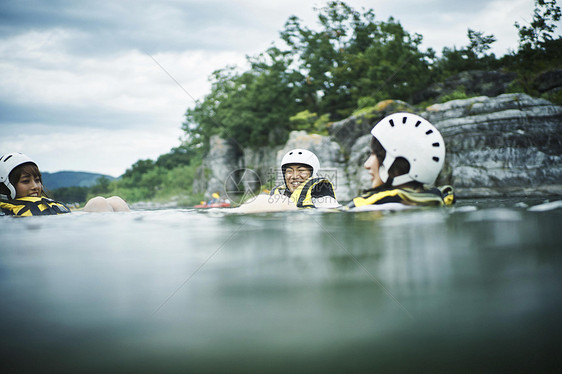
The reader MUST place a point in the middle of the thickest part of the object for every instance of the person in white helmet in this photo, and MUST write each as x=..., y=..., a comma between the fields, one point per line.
x=22, y=192
x=302, y=187
x=407, y=155
x=302, y=184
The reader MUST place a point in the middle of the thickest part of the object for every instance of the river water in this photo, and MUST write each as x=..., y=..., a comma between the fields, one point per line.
x=474, y=288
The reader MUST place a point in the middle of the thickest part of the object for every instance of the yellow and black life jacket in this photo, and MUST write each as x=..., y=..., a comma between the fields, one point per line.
x=312, y=187
x=32, y=206
x=438, y=196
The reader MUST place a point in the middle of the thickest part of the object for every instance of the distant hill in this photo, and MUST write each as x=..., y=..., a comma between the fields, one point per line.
x=71, y=178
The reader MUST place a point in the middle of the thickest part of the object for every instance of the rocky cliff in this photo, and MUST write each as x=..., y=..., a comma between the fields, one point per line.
x=510, y=144
x=506, y=145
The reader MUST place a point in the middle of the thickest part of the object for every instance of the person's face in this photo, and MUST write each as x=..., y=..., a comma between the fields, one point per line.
x=28, y=185
x=296, y=174
x=372, y=165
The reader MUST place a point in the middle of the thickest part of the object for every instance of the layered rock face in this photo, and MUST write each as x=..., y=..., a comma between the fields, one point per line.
x=506, y=145
x=509, y=145
x=223, y=159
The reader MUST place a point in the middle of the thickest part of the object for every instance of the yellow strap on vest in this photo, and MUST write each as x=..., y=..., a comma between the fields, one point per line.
x=408, y=197
x=302, y=196
x=374, y=198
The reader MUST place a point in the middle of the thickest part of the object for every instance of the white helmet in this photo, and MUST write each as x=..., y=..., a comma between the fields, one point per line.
x=301, y=156
x=412, y=137
x=8, y=163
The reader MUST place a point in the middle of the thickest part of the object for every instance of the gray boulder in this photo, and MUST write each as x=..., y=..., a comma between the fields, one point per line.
x=509, y=144
x=472, y=82
x=218, y=164
x=549, y=81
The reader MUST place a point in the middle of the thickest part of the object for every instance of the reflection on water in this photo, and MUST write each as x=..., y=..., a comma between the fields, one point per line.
x=473, y=288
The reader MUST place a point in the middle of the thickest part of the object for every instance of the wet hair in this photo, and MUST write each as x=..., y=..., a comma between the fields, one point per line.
x=400, y=165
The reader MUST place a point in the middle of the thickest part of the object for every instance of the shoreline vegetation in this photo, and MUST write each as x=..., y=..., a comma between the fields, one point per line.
x=312, y=78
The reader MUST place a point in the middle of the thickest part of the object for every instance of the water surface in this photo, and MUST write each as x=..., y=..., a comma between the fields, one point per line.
x=475, y=288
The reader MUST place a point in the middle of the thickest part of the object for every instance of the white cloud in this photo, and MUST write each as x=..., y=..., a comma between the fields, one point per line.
x=149, y=103
x=132, y=82
x=100, y=113
x=498, y=18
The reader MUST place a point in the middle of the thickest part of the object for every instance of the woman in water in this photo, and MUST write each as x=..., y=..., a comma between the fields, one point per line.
x=22, y=193
x=407, y=155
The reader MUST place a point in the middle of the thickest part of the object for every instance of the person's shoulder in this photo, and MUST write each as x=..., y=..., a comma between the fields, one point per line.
x=277, y=190
x=322, y=187
x=379, y=196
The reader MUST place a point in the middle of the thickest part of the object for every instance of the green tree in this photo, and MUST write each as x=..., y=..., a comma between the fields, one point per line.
x=539, y=31
x=326, y=71
x=471, y=57
x=478, y=44
x=251, y=108
x=353, y=56
x=396, y=68
x=349, y=60
x=178, y=156
x=202, y=122
x=538, y=50
x=137, y=170
x=101, y=187
x=72, y=194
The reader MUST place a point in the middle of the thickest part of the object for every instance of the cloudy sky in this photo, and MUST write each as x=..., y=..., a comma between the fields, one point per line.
x=95, y=85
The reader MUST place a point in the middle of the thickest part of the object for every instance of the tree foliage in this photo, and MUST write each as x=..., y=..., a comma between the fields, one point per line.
x=539, y=31
x=327, y=71
x=72, y=194
x=474, y=56
x=538, y=50
x=350, y=59
x=251, y=108
x=172, y=174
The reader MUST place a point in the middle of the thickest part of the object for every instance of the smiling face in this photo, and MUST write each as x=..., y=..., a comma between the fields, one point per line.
x=29, y=185
x=295, y=174
x=26, y=179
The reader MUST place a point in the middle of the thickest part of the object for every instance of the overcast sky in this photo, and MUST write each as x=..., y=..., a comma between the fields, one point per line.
x=85, y=85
